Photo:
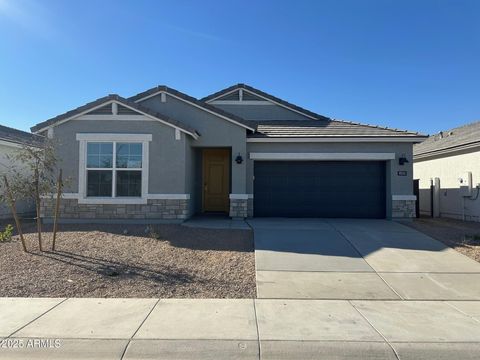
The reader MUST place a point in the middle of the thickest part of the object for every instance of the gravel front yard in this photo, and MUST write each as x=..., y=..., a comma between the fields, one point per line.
x=101, y=261
x=463, y=236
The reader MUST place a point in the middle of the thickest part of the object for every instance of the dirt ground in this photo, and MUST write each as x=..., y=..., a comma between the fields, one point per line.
x=167, y=261
x=463, y=236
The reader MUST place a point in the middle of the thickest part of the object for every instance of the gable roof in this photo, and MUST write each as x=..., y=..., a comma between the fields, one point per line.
x=322, y=128
x=459, y=138
x=189, y=99
x=267, y=96
x=120, y=100
x=18, y=137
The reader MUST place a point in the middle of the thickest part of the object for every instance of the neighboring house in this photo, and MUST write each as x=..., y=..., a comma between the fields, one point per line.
x=447, y=165
x=164, y=155
x=11, y=141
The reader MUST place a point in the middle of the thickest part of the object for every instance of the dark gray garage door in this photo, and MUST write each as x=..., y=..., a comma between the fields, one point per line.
x=346, y=189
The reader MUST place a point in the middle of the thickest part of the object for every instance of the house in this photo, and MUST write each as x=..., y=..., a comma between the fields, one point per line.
x=447, y=166
x=11, y=141
x=165, y=155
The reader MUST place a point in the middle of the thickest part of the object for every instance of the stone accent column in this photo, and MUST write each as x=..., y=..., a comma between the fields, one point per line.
x=403, y=209
x=238, y=208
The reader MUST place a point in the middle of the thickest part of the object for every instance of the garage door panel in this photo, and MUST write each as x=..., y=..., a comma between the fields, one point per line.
x=319, y=189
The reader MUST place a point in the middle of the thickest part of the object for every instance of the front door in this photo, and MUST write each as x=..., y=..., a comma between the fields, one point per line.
x=216, y=180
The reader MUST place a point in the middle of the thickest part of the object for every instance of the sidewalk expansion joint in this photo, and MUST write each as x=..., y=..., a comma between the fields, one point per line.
x=38, y=317
x=378, y=331
x=258, y=332
x=462, y=312
x=136, y=331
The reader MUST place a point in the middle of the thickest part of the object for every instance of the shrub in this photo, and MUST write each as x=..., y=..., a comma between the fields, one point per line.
x=6, y=234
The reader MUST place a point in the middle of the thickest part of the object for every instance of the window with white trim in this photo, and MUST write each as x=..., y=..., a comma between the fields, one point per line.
x=114, y=169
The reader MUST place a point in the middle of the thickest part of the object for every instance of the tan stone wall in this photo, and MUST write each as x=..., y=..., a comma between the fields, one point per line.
x=154, y=209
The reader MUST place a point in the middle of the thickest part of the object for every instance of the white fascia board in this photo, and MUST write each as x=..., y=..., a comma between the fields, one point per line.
x=269, y=100
x=224, y=94
x=335, y=138
x=322, y=156
x=243, y=102
x=113, y=137
x=74, y=116
x=195, y=136
x=404, y=197
x=241, y=196
x=197, y=106
x=114, y=117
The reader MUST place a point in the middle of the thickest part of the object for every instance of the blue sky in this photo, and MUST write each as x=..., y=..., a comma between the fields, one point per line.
x=404, y=64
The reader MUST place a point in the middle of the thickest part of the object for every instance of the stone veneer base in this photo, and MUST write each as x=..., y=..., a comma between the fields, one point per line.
x=403, y=209
x=166, y=209
x=238, y=208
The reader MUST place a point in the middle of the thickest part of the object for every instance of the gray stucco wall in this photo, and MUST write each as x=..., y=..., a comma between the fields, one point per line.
x=175, y=166
x=396, y=185
x=262, y=112
x=214, y=131
x=23, y=207
x=167, y=155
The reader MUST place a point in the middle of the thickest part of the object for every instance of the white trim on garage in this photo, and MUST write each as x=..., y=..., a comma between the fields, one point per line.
x=322, y=156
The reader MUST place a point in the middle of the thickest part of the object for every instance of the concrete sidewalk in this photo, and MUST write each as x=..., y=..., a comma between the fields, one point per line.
x=238, y=329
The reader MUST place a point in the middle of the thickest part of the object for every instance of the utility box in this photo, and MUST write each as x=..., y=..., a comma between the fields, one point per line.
x=465, y=182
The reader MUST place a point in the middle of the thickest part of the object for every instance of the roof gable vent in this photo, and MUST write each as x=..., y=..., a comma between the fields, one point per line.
x=234, y=96
x=104, y=110
x=247, y=96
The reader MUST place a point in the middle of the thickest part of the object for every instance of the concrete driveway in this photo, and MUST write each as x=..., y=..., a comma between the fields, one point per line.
x=354, y=259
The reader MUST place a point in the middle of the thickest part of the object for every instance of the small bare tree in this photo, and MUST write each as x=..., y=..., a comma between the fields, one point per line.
x=35, y=178
x=8, y=196
x=57, y=208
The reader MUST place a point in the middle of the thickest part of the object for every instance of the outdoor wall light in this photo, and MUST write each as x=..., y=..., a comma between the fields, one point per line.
x=402, y=160
x=239, y=159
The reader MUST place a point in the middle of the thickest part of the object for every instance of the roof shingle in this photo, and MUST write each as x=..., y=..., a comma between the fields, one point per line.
x=191, y=99
x=17, y=136
x=265, y=95
x=456, y=138
x=119, y=99
x=323, y=128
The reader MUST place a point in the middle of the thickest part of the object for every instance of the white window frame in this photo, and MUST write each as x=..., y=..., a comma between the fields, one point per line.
x=144, y=139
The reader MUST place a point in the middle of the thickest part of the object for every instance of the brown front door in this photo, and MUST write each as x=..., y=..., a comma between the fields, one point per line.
x=216, y=179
